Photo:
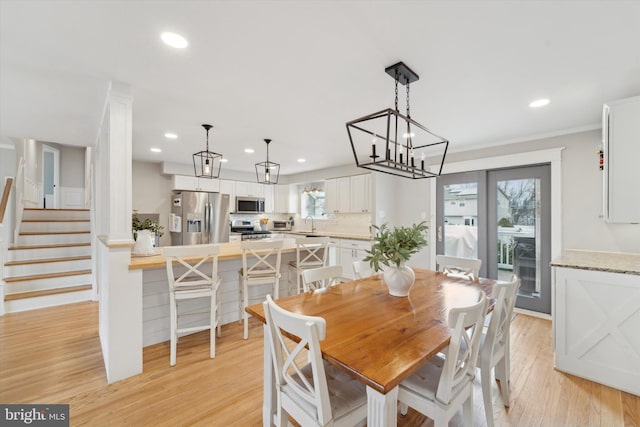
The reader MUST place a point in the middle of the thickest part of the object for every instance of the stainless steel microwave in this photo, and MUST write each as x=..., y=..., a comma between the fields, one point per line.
x=249, y=204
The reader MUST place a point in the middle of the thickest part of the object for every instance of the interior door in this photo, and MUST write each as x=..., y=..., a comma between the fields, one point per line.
x=519, y=230
x=50, y=176
x=461, y=215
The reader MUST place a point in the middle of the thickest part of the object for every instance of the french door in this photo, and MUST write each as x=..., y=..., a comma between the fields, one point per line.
x=502, y=217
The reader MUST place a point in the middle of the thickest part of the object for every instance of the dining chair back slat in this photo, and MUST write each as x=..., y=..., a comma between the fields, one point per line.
x=456, y=266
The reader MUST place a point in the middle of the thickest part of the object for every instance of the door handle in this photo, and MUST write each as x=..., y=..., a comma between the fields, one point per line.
x=440, y=234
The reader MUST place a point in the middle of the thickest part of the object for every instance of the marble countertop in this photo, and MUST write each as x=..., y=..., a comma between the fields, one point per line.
x=331, y=234
x=613, y=262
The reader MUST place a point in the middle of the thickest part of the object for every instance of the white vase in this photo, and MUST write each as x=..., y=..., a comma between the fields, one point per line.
x=144, y=243
x=399, y=280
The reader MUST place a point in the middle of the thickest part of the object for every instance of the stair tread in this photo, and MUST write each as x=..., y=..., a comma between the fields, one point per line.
x=36, y=233
x=55, y=220
x=44, y=260
x=53, y=210
x=60, y=245
x=46, y=276
x=33, y=294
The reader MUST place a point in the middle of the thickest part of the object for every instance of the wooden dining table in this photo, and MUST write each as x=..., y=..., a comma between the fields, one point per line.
x=377, y=338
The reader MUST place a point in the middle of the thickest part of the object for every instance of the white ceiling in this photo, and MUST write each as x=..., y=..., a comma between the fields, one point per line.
x=295, y=72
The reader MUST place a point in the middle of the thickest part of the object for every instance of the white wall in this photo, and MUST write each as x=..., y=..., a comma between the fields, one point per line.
x=71, y=166
x=152, y=194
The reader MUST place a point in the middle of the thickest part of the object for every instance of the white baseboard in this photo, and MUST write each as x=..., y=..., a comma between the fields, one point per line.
x=532, y=313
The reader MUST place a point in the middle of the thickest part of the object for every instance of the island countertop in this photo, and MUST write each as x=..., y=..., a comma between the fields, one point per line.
x=613, y=262
x=229, y=250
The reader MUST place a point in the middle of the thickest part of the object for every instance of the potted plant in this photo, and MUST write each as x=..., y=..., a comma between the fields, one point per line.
x=392, y=248
x=145, y=233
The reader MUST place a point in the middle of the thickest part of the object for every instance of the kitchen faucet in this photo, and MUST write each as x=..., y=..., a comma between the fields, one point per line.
x=313, y=226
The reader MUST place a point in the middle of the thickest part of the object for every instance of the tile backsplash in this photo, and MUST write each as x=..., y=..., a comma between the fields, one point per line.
x=353, y=223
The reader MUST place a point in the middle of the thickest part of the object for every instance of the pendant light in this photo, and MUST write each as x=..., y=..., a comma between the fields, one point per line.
x=390, y=142
x=206, y=164
x=267, y=172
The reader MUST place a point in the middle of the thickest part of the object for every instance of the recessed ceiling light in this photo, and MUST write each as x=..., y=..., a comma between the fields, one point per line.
x=156, y=150
x=224, y=160
x=539, y=103
x=249, y=150
x=302, y=160
x=170, y=135
x=174, y=40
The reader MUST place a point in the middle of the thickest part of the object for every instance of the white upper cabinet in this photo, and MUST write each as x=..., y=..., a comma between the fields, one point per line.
x=337, y=192
x=192, y=183
x=284, y=200
x=361, y=193
x=269, y=198
x=621, y=146
x=250, y=189
x=348, y=194
x=229, y=187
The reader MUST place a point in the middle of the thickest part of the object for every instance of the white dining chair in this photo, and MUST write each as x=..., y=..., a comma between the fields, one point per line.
x=495, y=348
x=362, y=269
x=312, y=392
x=321, y=277
x=261, y=261
x=442, y=386
x=311, y=252
x=459, y=267
x=200, y=280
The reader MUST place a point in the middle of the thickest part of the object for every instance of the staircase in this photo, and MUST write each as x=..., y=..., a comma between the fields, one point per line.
x=51, y=262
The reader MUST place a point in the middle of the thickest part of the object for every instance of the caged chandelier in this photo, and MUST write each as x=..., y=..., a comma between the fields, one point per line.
x=390, y=142
x=206, y=164
x=267, y=172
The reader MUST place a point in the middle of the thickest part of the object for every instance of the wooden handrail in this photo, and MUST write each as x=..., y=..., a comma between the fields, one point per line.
x=5, y=198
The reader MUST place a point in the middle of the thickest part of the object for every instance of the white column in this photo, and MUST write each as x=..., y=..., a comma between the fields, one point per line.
x=120, y=291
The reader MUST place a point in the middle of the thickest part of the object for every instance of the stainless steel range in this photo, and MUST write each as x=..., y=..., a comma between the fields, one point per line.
x=246, y=230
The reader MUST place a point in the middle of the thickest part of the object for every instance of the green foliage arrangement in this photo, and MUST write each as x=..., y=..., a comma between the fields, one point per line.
x=394, y=246
x=147, y=224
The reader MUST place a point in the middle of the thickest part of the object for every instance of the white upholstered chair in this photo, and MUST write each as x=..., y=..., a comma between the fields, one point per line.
x=312, y=392
x=321, y=277
x=362, y=269
x=260, y=266
x=495, y=346
x=200, y=280
x=311, y=252
x=442, y=386
x=461, y=267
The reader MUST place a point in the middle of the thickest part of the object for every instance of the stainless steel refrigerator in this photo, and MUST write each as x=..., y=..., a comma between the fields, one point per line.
x=198, y=217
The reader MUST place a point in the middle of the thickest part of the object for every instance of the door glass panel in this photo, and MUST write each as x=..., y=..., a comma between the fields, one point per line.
x=461, y=220
x=518, y=230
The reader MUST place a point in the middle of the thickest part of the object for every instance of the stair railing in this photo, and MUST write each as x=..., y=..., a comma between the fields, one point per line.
x=4, y=202
x=19, y=199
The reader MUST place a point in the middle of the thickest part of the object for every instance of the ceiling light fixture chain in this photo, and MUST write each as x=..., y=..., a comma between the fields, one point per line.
x=410, y=150
x=397, y=89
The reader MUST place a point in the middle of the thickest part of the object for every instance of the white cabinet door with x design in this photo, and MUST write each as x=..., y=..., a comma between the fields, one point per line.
x=596, y=326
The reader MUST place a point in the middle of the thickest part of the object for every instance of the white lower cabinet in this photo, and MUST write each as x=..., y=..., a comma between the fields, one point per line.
x=596, y=324
x=348, y=251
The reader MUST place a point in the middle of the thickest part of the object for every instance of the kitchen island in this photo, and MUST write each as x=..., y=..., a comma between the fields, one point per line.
x=596, y=317
x=155, y=289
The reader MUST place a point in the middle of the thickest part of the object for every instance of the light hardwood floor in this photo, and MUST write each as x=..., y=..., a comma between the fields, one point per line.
x=53, y=356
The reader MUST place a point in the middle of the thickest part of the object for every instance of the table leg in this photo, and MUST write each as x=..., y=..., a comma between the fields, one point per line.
x=269, y=390
x=382, y=408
